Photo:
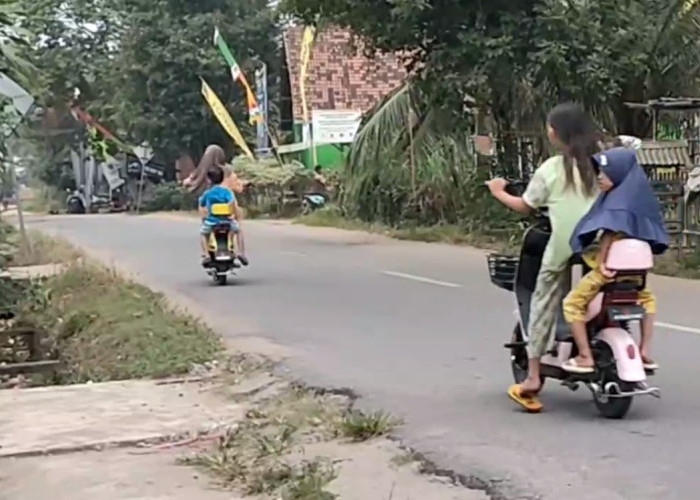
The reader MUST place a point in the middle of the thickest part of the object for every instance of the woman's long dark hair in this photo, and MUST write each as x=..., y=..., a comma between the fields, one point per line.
x=580, y=137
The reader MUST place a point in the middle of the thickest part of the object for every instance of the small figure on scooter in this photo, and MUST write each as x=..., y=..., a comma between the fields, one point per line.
x=626, y=208
x=217, y=194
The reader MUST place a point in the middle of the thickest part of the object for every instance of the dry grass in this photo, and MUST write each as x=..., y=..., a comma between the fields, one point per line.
x=264, y=454
x=43, y=250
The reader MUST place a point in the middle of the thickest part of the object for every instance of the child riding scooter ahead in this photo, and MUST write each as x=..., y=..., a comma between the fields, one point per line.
x=218, y=194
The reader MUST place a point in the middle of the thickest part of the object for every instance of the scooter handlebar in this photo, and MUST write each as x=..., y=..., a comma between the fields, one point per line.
x=515, y=187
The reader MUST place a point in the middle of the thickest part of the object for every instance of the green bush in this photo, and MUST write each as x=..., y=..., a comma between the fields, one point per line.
x=170, y=196
x=444, y=188
x=269, y=175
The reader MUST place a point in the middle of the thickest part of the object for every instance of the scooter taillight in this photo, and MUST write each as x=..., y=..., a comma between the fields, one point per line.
x=620, y=297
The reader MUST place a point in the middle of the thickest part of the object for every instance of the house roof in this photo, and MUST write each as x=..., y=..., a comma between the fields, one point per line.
x=338, y=76
x=664, y=154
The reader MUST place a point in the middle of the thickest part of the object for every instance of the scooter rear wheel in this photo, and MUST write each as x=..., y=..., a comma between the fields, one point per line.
x=221, y=279
x=612, y=408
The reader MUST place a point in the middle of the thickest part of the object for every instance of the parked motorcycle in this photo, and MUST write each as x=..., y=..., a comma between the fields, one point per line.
x=312, y=202
x=619, y=373
x=222, y=251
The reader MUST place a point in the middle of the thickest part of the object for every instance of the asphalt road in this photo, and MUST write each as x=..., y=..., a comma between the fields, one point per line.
x=418, y=329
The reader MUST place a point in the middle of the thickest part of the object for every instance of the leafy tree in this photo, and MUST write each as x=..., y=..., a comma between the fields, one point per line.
x=166, y=46
x=137, y=63
x=517, y=58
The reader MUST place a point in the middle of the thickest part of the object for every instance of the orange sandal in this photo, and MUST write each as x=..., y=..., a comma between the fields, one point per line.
x=529, y=402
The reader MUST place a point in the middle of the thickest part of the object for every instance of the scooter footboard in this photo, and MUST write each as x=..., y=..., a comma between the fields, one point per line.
x=627, y=358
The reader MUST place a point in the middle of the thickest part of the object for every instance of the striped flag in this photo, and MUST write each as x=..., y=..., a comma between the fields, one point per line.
x=254, y=114
x=224, y=118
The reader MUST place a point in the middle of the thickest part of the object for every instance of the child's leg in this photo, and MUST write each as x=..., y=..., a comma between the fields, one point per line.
x=575, y=310
x=648, y=301
x=204, y=232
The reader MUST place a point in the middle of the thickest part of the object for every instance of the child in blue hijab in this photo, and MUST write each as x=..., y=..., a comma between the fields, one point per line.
x=626, y=208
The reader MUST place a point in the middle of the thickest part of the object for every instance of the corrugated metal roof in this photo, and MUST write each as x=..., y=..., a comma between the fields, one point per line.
x=664, y=154
x=668, y=103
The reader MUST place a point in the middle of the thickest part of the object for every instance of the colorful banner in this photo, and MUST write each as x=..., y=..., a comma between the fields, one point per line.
x=90, y=121
x=307, y=40
x=254, y=114
x=225, y=118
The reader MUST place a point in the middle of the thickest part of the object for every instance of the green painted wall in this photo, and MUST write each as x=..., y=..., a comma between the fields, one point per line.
x=328, y=155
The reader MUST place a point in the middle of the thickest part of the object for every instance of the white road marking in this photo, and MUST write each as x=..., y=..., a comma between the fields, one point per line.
x=679, y=328
x=421, y=279
x=295, y=254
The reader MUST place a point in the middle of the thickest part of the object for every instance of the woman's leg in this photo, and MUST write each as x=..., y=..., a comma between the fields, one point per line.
x=240, y=240
x=544, y=309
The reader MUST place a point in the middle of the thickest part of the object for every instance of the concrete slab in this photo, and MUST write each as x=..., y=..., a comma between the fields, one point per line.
x=367, y=470
x=109, y=475
x=71, y=418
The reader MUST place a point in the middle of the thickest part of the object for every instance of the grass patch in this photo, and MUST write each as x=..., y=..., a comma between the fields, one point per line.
x=444, y=233
x=255, y=457
x=669, y=264
x=44, y=199
x=43, y=250
x=686, y=266
x=107, y=328
x=360, y=426
x=264, y=454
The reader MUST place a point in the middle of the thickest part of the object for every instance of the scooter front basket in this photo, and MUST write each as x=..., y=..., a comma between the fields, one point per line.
x=502, y=269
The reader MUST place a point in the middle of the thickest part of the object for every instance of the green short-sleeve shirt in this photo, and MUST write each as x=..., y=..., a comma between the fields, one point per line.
x=566, y=207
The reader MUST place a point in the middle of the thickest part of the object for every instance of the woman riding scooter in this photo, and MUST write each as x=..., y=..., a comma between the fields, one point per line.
x=566, y=185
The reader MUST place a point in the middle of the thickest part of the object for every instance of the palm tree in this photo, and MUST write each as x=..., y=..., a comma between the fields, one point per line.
x=672, y=69
x=12, y=38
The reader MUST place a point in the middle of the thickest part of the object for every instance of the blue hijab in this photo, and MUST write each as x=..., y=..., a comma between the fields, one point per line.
x=630, y=207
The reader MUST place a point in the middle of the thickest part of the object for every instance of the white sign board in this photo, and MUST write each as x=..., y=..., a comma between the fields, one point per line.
x=110, y=170
x=335, y=126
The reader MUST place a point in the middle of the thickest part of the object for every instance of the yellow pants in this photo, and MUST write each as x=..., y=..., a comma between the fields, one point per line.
x=576, y=302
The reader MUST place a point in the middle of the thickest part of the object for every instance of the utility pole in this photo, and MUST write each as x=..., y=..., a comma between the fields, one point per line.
x=263, y=145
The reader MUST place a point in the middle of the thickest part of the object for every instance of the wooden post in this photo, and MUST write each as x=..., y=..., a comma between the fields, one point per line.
x=410, y=120
x=26, y=244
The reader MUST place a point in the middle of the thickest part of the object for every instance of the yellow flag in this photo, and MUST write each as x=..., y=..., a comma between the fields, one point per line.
x=307, y=40
x=224, y=118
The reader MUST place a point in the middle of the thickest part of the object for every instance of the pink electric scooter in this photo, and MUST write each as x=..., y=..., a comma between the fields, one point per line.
x=619, y=372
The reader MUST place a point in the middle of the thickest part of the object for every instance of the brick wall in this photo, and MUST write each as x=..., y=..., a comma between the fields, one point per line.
x=338, y=76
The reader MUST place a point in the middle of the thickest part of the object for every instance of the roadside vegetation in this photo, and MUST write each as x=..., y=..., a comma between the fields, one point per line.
x=100, y=326
x=272, y=452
